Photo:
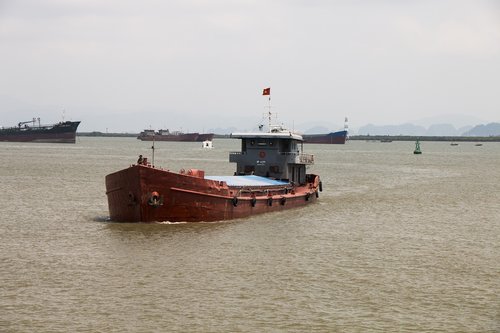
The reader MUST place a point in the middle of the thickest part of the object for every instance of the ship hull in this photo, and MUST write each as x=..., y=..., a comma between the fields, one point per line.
x=330, y=138
x=186, y=137
x=58, y=133
x=145, y=194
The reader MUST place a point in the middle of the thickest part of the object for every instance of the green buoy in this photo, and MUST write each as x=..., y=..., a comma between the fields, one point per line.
x=417, y=148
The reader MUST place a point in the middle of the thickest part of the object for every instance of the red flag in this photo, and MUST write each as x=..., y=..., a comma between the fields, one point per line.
x=267, y=91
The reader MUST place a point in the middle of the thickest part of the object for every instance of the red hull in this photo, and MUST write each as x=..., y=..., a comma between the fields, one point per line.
x=188, y=137
x=145, y=194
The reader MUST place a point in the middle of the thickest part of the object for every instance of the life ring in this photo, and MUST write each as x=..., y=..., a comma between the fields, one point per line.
x=234, y=200
x=253, y=201
x=283, y=201
x=154, y=199
x=182, y=171
x=262, y=154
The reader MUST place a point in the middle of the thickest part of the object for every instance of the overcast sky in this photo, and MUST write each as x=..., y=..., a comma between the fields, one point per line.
x=126, y=65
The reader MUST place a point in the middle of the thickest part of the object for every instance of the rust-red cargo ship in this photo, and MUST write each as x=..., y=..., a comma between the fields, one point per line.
x=270, y=176
x=166, y=135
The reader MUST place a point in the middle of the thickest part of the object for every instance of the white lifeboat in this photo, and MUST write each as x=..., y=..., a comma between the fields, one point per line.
x=207, y=144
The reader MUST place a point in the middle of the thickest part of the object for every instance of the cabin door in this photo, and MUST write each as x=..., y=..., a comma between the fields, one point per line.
x=295, y=174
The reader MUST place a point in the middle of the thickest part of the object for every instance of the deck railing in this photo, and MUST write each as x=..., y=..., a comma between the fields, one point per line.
x=297, y=157
x=304, y=158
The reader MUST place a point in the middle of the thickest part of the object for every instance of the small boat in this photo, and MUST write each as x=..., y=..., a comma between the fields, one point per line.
x=207, y=144
x=417, y=148
x=453, y=144
x=478, y=144
x=34, y=131
x=270, y=176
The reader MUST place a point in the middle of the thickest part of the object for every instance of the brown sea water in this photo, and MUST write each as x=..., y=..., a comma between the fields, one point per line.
x=397, y=243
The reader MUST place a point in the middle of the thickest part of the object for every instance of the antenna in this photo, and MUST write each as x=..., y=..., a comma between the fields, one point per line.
x=153, y=148
x=269, y=113
x=346, y=127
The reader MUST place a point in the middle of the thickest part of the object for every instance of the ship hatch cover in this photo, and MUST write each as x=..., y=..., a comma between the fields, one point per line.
x=248, y=180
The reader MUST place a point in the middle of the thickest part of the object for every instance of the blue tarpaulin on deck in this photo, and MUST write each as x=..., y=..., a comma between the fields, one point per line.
x=250, y=180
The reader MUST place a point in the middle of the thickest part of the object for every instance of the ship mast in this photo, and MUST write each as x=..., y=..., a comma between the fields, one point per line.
x=346, y=128
x=269, y=120
x=153, y=149
x=267, y=92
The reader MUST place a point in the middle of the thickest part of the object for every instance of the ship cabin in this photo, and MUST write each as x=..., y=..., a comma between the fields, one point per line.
x=148, y=132
x=276, y=154
x=164, y=132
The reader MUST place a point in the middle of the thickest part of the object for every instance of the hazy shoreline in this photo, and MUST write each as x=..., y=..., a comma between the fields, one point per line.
x=354, y=137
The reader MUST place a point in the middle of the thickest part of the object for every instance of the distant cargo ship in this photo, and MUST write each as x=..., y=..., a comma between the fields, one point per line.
x=339, y=137
x=166, y=135
x=30, y=131
x=331, y=138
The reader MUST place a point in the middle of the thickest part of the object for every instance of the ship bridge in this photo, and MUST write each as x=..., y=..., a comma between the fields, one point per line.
x=277, y=155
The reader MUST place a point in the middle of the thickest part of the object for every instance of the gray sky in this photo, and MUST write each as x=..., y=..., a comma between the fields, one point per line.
x=197, y=64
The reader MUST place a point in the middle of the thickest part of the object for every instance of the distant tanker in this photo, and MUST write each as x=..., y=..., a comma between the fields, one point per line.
x=30, y=131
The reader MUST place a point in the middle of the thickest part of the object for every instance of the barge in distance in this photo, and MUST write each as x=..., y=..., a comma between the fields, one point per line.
x=34, y=131
x=166, y=135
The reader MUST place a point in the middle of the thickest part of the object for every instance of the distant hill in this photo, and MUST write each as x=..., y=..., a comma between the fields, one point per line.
x=442, y=130
x=464, y=129
x=317, y=130
x=404, y=129
x=491, y=129
x=456, y=120
x=433, y=130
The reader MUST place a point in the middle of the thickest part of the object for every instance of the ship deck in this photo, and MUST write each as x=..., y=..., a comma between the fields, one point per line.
x=248, y=180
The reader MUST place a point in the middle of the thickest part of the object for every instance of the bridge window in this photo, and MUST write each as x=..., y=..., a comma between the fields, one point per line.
x=274, y=169
x=249, y=169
